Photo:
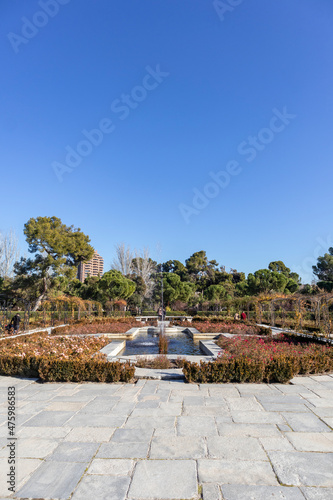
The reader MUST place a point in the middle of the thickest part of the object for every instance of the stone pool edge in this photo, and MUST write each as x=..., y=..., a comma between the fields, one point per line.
x=113, y=349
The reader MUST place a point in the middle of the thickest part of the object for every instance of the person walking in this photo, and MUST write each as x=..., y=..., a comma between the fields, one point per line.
x=243, y=316
x=15, y=321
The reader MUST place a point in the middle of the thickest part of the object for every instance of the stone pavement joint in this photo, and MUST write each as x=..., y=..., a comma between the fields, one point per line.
x=167, y=440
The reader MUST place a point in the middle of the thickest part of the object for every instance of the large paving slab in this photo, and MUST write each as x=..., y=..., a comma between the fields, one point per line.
x=303, y=469
x=74, y=452
x=236, y=471
x=196, y=426
x=132, y=436
x=240, y=492
x=123, y=450
x=53, y=480
x=318, y=493
x=49, y=419
x=25, y=468
x=311, y=441
x=95, y=434
x=32, y=448
x=305, y=422
x=102, y=488
x=177, y=447
x=235, y=448
x=164, y=479
x=167, y=440
x=111, y=467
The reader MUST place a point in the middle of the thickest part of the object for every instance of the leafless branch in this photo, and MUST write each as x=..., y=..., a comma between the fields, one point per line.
x=9, y=253
x=123, y=260
x=143, y=266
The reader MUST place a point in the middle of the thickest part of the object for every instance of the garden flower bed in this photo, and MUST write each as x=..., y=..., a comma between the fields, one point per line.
x=101, y=326
x=42, y=344
x=262, y=360
x=238, y=328
x=61, y=359
x=159, y=362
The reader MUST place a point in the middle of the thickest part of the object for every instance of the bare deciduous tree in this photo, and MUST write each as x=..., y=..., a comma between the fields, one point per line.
x=9, y=253
x=144, y=267
x=137, y=262
x=123, y=260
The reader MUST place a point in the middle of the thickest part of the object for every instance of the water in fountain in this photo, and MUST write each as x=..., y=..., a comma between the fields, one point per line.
x=162, y=326
x=146, y=342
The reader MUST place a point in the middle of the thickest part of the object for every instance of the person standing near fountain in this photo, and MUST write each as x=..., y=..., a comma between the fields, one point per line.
x=161, y=313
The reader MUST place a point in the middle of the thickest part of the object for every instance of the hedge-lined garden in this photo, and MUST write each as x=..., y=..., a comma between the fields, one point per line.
x=66, y=370
x=215, y=325
x=42, y=344
x=255, y=360
x=243, y=358
x=61, y=359
x=98, y=325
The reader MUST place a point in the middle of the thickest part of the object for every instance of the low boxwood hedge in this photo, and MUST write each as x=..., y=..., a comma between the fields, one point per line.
x=240, y=370
x=57, y=370
x=168, y=313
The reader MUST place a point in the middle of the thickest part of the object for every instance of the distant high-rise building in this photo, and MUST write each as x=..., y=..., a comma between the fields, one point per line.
x=93, y=267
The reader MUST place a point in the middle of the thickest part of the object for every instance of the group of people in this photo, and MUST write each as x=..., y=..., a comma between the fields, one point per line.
x=14, y=324
x=243, y=316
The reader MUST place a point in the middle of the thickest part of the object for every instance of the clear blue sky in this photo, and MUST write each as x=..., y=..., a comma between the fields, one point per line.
x=197, y=87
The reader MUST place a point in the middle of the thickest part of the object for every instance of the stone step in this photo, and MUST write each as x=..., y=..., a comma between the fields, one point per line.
x=159, y=374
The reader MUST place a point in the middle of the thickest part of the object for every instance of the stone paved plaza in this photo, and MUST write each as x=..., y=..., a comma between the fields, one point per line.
x=170, y=440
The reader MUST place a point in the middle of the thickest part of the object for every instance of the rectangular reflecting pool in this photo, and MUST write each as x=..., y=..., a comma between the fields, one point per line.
x=146, y=342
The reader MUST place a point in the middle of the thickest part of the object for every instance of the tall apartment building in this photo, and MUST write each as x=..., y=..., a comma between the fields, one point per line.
x=93, y=267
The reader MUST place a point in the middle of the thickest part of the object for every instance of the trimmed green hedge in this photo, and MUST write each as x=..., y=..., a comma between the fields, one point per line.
x=17, y=366
x=168, y=313
x=291, y=324
x=215, y=318
x=280, y=369
x=56, y=370
x=240, y=370
x=176, y=313
x=211, y=313
x=118, y=314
